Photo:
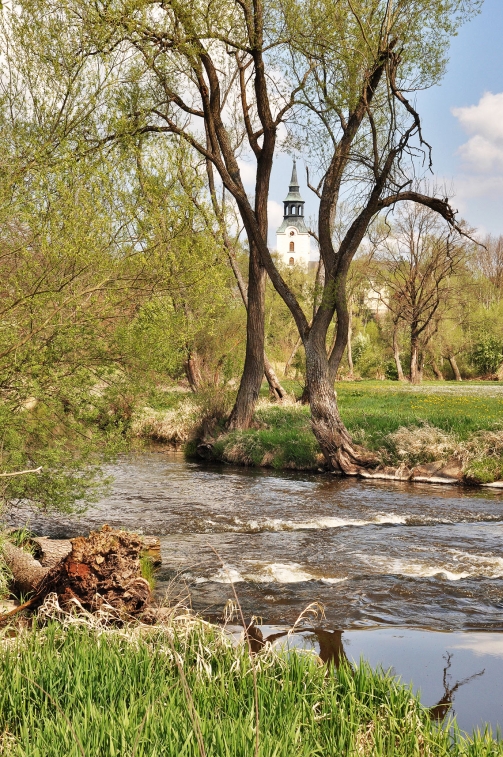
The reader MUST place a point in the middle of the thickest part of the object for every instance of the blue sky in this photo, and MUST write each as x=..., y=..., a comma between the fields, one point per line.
x=463, y=121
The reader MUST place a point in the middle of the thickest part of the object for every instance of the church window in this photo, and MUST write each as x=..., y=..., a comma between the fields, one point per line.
x=292, y=233
x=300, y=210
x=291, y=261
x=292, y=247
x=293, y=210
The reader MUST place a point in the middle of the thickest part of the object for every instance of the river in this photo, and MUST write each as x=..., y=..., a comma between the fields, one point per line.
x=412, y=561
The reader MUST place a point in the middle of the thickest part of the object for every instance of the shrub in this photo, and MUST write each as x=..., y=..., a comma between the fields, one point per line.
x=487, y=354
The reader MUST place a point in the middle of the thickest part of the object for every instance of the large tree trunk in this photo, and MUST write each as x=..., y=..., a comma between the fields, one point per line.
x=415, y=369
x=334, y=439
x=253, y=372
x=396, y=354
x=275, y=388
x=454, y=366
x=26, y=571
x=350, y=336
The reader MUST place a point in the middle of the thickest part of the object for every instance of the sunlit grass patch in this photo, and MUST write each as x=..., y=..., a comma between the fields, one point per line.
x=283, y=440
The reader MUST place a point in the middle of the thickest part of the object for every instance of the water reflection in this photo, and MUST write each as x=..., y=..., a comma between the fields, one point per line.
x=442, y=707
x=466, y=667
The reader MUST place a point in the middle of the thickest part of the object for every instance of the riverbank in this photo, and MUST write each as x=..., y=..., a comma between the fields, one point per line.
x=186, y=689
x=451, y=432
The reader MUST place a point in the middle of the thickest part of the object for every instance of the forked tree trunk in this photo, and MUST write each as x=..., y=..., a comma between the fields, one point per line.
x=436, y=370
x=192, y=371
x=253, y=372
x=454, y=366
x=334, y=439
x=396, y=354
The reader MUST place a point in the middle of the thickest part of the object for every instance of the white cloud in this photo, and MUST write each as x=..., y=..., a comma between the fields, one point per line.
x=483, y=152
x=275, y=213
x=248, y=173
x=275, y=217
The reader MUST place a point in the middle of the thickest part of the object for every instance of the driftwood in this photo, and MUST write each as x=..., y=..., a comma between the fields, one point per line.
x=102, y=569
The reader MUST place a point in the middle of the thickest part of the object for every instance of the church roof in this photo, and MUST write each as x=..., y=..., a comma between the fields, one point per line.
x=297, y=222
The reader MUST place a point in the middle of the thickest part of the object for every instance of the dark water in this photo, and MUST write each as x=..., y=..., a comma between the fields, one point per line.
x=374, y=554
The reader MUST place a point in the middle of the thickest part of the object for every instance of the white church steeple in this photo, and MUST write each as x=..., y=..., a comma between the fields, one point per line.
x=293, y=241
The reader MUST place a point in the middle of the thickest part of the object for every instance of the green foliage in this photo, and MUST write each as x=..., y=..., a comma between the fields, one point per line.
x=487, y=354
x=183, y=689
x=485, y=471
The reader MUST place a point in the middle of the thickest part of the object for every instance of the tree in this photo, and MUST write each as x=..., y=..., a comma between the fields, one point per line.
x=417, y=265
x=199, y=72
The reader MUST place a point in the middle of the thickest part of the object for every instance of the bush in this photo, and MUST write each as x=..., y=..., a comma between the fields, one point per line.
x=487, y=354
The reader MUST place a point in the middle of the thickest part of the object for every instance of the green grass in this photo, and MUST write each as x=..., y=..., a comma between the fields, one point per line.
x=186, y=694
x=372, y=411
x=283, y=439
x=381, y=407
x=147, y=570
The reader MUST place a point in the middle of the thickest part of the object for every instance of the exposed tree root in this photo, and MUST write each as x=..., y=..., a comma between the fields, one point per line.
x=102, y=569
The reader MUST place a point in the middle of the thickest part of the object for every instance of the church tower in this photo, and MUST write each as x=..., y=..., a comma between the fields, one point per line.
x=293, y=241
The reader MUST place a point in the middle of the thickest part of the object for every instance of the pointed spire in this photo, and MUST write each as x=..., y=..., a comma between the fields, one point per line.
x=294, y=182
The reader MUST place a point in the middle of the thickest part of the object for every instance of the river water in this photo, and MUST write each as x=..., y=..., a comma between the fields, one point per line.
x=403, y=558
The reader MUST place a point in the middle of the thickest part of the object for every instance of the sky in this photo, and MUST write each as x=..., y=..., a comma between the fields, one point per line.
x=463, y=121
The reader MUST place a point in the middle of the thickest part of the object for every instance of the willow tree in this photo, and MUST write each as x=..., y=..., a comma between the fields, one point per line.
x=225, y=76
x=202, y=73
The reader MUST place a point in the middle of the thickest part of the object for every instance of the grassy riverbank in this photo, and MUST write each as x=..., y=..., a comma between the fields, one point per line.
x=404, y=424
x=185, y=690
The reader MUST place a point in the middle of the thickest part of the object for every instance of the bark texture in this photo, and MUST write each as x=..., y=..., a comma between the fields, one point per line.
x=192, y=371
x=334, y=439
x=251, y=380
x=350, y=337
x=101, y=569
x=436, y=370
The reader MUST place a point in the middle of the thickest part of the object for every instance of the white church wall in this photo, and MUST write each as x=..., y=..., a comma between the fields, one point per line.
x=301, y=247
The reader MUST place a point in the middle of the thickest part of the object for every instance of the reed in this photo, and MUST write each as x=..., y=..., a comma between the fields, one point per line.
x=185, y=690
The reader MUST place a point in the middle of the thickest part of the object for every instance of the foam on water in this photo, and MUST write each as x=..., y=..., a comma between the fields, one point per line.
x=321, y=523
x=276, y=572
x=462, y=565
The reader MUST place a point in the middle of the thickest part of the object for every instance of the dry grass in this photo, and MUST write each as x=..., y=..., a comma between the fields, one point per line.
x=422, y=444
x=480, y=456
x=171, y=426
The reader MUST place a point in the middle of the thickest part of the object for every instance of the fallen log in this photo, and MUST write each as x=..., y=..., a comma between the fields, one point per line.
x=27, y=572
x=51, y=551
x=102, y=569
